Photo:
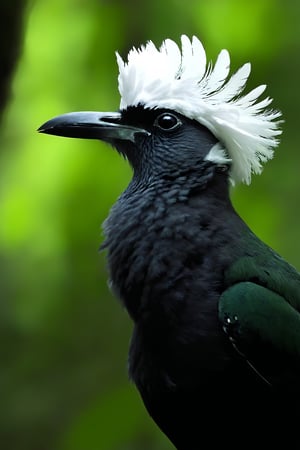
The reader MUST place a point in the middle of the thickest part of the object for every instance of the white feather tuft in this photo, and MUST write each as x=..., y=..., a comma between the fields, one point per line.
x=218, y=155
x=182, y=81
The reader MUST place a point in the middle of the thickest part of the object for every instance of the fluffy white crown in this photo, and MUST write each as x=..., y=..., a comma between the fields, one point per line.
x=182, y=81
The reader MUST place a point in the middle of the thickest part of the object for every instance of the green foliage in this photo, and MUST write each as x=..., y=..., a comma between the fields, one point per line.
x=64, y=338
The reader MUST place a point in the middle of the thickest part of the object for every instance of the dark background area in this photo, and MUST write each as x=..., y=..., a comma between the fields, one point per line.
x=64, y=338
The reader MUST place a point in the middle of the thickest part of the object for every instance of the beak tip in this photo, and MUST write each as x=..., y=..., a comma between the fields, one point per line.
x=44, y=128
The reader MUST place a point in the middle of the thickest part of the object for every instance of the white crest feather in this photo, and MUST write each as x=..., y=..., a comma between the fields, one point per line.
x=182, y=81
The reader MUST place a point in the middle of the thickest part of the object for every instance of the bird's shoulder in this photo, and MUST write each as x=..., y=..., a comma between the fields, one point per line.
x=258, y=263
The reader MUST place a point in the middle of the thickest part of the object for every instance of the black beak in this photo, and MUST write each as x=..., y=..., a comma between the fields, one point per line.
x=91, y=125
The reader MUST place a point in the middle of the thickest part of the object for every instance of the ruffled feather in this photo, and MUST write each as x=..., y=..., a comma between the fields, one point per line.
x=182, y=81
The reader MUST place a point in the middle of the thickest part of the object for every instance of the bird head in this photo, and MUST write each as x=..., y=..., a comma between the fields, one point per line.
x=178, y=113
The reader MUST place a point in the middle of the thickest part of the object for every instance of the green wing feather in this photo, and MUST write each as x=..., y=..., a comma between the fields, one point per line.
x=260, y=311
x=262, y=314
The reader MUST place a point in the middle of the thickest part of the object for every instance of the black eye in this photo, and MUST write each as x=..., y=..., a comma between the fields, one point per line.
x=167, y=122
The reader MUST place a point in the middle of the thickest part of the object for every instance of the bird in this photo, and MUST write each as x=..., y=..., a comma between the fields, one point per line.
x=215, y=346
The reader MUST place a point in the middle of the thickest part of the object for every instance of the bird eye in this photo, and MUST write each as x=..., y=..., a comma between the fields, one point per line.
x=167, y=122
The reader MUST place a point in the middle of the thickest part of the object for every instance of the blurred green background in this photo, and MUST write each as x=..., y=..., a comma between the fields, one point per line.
x=64, y=338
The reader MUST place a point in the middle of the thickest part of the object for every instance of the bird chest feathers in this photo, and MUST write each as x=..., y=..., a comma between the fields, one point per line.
x=166, y=248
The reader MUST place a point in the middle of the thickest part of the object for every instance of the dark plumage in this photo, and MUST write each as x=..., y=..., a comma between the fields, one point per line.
x=215, y=350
